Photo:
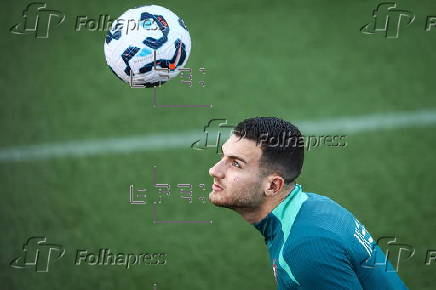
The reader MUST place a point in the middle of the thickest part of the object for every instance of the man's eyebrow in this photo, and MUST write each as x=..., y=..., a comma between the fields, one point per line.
x=232, y=156
x=236, y=157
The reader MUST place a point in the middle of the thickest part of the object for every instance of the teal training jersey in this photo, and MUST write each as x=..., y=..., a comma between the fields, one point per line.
x=314, y=243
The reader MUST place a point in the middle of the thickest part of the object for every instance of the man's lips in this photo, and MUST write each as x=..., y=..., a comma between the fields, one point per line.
x=216, y=187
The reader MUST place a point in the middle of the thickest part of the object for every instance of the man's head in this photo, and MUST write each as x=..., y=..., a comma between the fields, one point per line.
x=262, y=158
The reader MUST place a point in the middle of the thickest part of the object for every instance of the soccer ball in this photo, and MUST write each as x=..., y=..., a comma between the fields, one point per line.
x=137, y=36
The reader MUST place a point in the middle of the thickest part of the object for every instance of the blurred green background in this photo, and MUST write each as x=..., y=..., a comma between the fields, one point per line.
x=298, y=60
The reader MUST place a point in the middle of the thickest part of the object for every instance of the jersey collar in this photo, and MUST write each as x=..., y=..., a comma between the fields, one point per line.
x=269, y=225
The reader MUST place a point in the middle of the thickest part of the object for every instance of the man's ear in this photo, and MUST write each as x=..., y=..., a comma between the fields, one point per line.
x=275, y=184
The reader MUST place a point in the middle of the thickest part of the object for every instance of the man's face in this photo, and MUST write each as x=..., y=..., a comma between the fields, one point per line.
x=238, y=182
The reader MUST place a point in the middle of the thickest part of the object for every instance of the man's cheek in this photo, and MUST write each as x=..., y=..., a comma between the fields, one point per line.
x=243, y=180
x=244, y=177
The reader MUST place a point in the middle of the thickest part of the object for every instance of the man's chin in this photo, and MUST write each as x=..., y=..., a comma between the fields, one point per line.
x=218, y=199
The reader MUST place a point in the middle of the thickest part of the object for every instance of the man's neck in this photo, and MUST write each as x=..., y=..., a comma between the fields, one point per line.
x=255, y=215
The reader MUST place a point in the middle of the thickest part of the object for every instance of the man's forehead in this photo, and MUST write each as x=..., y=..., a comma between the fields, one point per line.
x=245, y=148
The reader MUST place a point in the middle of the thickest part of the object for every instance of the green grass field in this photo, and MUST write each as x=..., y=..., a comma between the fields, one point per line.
x=298, y=60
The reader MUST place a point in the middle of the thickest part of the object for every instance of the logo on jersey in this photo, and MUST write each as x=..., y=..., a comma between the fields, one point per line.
x=274, y=267
x=363, y=237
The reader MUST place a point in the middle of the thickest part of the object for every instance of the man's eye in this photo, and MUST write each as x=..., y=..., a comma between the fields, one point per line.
x=236, y=164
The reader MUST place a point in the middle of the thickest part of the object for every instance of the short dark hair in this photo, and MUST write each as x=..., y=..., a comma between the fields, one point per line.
x=274, y=136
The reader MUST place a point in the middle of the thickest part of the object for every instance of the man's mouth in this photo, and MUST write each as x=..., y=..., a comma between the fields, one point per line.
x=216, y=187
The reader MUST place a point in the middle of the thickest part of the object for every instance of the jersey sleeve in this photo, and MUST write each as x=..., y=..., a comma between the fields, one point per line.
x=378, y=273
x=321, y=263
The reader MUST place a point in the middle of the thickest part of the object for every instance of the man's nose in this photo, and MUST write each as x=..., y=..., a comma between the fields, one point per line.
x=217, y=171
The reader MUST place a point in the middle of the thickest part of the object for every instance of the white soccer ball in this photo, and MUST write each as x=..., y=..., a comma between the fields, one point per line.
x=135, y=36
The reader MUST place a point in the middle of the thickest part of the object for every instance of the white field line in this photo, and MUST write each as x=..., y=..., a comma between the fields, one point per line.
x=160, y=142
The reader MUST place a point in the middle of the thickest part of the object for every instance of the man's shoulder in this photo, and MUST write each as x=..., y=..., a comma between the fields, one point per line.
x=322, y=217
x=321, y=210
x=322, y=221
